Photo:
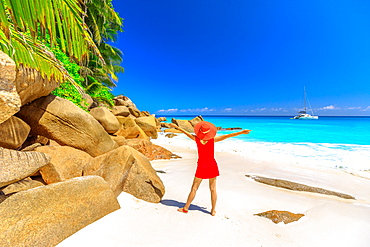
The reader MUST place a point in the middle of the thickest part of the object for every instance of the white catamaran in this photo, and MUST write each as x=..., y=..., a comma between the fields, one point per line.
x=303, y=114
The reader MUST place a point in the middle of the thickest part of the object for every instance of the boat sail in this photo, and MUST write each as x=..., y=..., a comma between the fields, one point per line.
x=303, y=115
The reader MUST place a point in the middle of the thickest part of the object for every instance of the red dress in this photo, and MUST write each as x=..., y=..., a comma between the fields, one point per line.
x=207, y=166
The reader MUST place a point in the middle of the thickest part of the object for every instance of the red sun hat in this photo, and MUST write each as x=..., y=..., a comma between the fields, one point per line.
x=205, y=130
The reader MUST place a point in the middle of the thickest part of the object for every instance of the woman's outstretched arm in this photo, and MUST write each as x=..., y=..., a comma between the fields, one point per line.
x=183, y=131
x=223, y=137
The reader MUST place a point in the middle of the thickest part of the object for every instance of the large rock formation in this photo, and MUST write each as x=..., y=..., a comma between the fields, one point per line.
x=48, y=194
x=150, y=150
x=162, y=119
x=129, y=129
x=106, y=119
x=126, y=169
x=142, y=180
x=121, y=111
x=17, y=165
x=120, y=140
x=66, y=162
x=14, y=133
x=145, y=114
x=184, y=124
x=10, y=101
x=21, y=185
x=196, y=120
x=46, y=215
x=32, y=140
x=32, y=85
x=60, y=120
x=134, y=111
x=87, y=100
x=146, y=147
x=149, y=125
x=187, y=125
x=122, y=100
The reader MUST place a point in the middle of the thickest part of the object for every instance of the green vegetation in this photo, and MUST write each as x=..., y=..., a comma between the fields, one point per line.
x=66, y=40
x=68, y=90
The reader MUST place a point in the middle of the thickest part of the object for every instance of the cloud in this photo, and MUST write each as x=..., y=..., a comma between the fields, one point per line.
x=277, y=109
x=205, y=109
x=366, y=109
x=228, y=109
x=350, y=108
x=265, y=109
x=354, y=108
x=168, y=110
x=329, y=107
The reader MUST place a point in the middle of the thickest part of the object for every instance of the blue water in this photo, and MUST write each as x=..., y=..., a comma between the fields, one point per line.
x=332, y=142
x=333, y=130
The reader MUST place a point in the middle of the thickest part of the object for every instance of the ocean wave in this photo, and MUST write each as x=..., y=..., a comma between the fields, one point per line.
x=348, y=157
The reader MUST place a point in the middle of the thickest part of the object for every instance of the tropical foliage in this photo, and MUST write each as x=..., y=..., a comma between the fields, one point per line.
x=104, y=24
x=53, y=35
x=68, y=90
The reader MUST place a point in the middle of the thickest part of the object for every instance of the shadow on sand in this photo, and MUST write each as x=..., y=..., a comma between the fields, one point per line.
x=173, y=203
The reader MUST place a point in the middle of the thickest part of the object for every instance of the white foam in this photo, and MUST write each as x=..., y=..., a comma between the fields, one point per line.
x=339, y=156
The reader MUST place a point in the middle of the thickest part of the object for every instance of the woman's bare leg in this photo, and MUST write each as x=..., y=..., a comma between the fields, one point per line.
x=192, y=194
x=212, y=187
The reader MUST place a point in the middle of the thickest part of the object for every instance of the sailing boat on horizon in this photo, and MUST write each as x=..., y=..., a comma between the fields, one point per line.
x=303, y=114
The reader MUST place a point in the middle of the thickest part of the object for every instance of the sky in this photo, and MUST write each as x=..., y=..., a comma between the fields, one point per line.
x=245, y=57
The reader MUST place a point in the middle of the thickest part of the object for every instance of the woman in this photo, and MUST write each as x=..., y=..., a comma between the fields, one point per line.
x=205, y=137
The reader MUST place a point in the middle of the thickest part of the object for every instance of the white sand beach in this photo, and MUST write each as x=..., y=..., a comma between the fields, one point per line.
x=328, y=220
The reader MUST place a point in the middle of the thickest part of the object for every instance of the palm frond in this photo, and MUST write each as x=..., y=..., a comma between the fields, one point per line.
x=34, y=54
x=61, y=19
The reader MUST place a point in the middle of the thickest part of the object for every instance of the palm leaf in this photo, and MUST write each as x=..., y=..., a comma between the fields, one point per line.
x=36, y=56
x=61, y=18
x=3, y=16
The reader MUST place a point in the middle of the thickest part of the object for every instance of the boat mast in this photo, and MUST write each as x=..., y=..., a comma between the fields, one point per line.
x=304, y=97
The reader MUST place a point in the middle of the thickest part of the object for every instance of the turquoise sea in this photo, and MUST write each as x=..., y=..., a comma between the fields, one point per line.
x=336, y=142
